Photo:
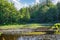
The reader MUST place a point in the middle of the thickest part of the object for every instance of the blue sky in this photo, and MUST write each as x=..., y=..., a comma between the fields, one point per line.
x=25, y=3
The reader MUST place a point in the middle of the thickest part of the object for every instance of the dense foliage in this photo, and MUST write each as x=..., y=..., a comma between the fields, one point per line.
x=8, y=13
x=40, y=13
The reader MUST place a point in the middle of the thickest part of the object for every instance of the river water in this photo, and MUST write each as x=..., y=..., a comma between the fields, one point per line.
x=30, y=37
x=40, y=37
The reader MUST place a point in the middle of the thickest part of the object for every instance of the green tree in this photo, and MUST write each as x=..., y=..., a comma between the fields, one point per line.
x=7, y=12
x=58, y=11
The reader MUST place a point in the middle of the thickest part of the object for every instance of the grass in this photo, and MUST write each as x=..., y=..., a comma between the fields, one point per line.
x=34, y=25
x=34, y=33
x=23, y=26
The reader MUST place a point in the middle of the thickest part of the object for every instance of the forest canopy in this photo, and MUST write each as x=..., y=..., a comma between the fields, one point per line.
x=40, y=13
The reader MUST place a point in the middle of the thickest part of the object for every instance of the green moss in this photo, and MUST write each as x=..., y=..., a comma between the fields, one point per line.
x=57, y=24
x=0, y=33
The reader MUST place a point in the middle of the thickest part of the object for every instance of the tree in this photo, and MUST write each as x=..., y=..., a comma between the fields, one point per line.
x=7, y=12
x=58, y=11
x=25, y=15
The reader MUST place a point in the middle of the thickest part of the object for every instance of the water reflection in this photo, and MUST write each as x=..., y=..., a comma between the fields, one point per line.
x=30, y=38
x=48, y=37
x=38, y=37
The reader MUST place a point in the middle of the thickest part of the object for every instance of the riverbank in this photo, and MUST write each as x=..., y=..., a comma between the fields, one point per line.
x=17, y=26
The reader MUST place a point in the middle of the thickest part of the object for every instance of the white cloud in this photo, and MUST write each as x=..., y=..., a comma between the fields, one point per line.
x=18, y=4
x=37, y=1
x=26, y=5
x=55, y=1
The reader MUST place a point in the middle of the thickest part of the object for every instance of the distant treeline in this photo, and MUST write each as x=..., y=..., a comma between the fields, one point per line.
x=40, y=13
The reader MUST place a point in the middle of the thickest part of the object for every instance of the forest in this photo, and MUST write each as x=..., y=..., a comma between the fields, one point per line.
x=40, y=13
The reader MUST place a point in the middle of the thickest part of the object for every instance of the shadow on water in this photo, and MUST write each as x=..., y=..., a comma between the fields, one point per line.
x=30, y=37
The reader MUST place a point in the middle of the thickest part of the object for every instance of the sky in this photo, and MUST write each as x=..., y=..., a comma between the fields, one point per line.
x=25, y=3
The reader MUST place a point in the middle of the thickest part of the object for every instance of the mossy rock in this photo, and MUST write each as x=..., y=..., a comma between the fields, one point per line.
x=57, y=24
